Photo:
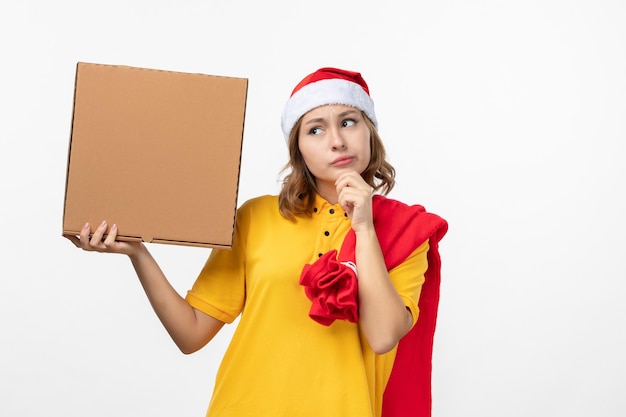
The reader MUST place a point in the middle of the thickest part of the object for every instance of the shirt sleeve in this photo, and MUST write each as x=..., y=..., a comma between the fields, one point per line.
x=408, y=278
x=220, y=289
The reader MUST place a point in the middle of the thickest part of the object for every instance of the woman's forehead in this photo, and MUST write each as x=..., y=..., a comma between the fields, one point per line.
x=329, y=110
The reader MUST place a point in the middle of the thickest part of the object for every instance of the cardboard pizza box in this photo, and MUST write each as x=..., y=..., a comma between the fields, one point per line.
x=156, y=152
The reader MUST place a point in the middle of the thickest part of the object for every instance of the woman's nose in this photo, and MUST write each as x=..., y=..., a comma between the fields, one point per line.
x=336, y=139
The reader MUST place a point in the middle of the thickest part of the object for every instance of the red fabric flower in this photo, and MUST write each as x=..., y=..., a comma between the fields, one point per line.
x=332, y=287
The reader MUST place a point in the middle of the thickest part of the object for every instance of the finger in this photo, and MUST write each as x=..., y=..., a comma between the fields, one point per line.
x=96, y=239
x=83, y=241
x=351, y=180
x=111, y=237
x=354, y=195
x=346, y=178
x=356, y=202
x=344, y=175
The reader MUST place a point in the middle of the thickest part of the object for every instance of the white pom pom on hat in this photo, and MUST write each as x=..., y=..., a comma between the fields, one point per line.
x=327, y=86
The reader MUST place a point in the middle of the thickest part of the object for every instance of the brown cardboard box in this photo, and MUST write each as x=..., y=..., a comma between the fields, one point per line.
x=155, y=152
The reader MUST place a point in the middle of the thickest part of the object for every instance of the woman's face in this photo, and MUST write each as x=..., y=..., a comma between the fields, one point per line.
x=334, y=139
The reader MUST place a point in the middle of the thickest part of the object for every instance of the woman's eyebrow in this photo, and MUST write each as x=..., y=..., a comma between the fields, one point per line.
x=347, y=112
x=316, y=120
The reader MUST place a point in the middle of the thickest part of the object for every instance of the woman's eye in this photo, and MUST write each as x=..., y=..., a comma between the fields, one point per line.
x=315, y=131
x=348, y=122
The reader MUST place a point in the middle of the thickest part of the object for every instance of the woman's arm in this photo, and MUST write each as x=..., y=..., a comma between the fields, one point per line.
x=189, y=328
x=383, y=316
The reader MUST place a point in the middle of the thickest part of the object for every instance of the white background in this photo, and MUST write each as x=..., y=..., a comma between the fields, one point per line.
x=507, y=118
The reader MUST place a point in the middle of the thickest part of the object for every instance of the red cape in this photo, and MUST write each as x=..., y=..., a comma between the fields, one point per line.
x=331, y=286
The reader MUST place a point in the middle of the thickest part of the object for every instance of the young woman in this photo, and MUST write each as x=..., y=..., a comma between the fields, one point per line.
x=328, y=278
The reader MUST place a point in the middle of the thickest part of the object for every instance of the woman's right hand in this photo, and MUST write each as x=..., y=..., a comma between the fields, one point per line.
x=98, y=242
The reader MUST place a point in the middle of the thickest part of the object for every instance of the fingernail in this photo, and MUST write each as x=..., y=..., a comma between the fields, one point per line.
x=104, y=222
x=86, y=226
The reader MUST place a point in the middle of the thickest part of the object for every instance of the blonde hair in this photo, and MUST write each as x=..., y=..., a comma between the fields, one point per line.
x=297, y=195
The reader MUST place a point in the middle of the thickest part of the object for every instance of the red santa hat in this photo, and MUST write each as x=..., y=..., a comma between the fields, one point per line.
x=327, y=86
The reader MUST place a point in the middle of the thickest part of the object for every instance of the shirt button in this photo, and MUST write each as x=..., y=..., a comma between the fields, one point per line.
x=315, y=210
x=345, y=214
x=332, y=211
x=319, y=255
x=326, y=233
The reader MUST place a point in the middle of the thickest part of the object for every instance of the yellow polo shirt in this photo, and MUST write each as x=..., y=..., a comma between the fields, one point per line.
x=280, y=362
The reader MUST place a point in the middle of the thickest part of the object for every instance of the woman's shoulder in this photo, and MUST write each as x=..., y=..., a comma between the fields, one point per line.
x=259, y=204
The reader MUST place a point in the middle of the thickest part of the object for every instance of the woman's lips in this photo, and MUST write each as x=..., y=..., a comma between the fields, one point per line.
x=342, y=161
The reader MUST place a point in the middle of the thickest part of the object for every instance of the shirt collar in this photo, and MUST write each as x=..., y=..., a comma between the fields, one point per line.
x=323, y=206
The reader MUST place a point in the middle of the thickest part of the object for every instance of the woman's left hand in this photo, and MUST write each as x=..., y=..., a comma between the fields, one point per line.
x=355, y=196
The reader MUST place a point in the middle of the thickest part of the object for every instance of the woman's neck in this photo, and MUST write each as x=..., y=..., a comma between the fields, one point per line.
x=327, y=191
